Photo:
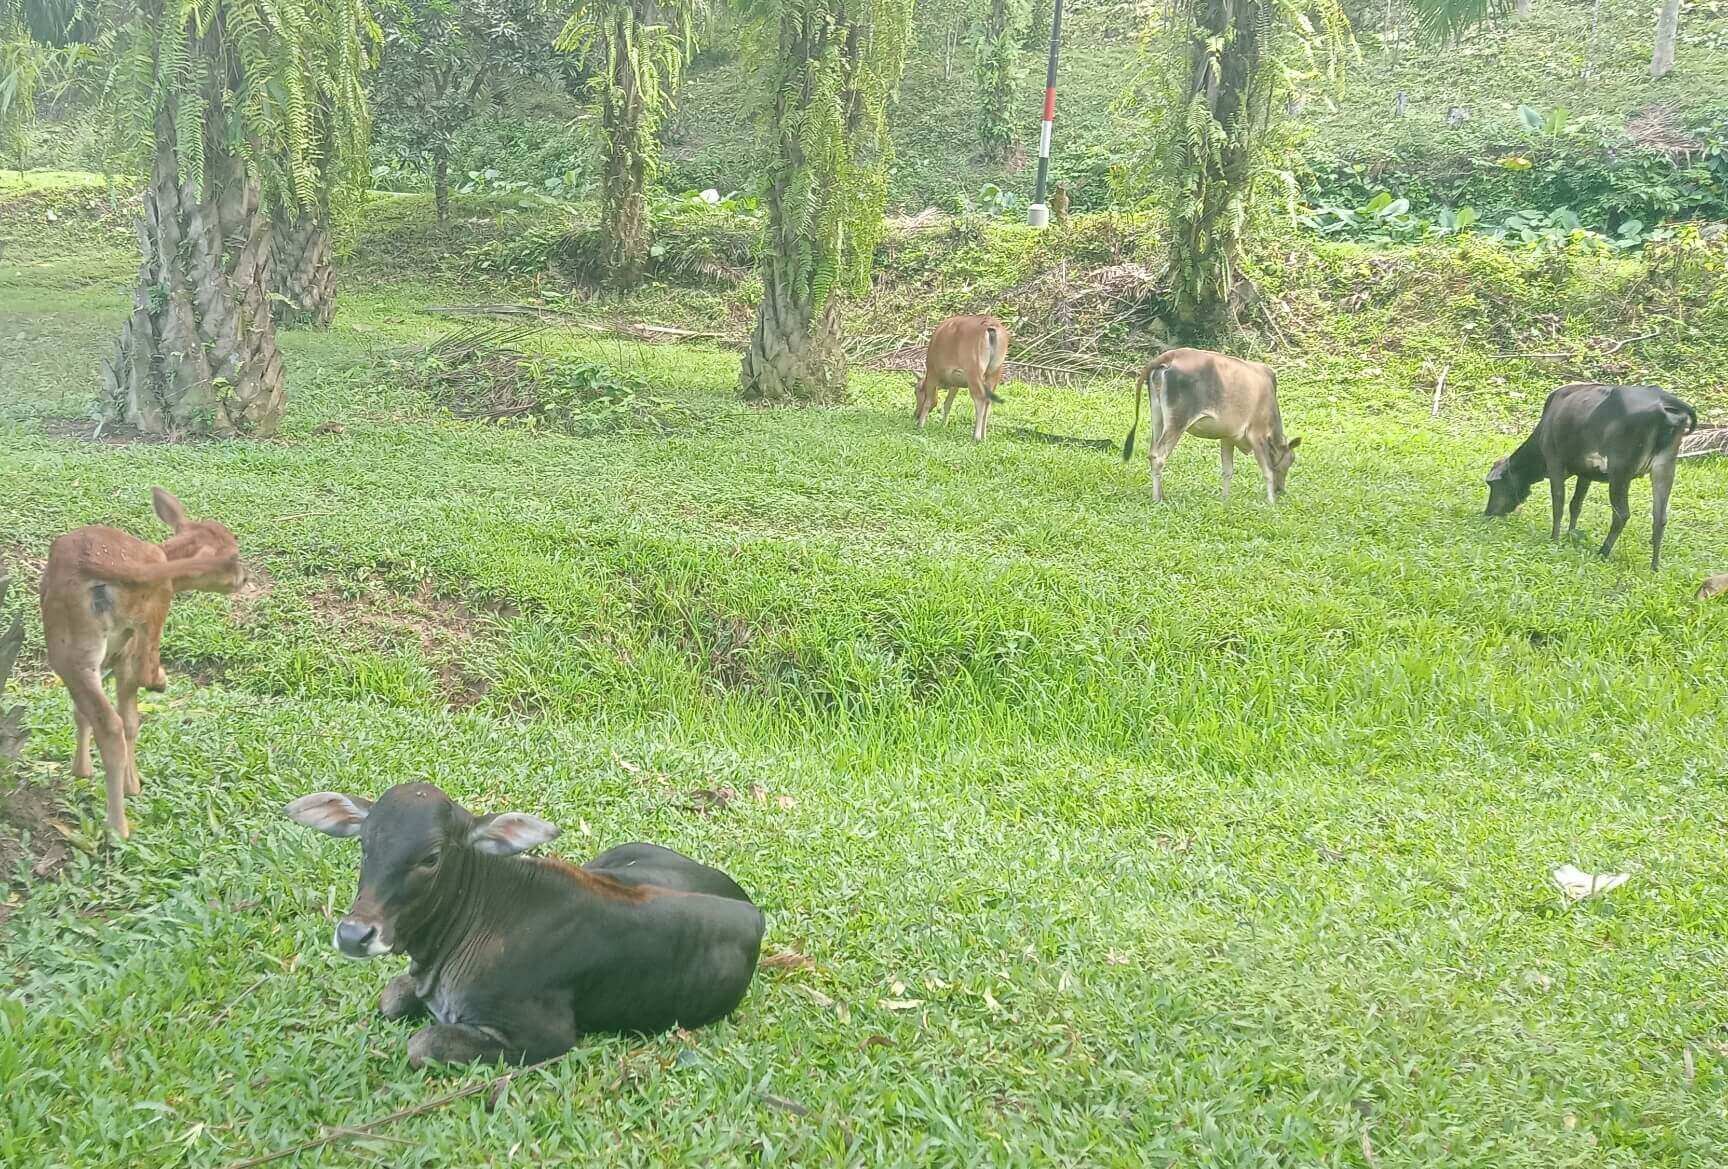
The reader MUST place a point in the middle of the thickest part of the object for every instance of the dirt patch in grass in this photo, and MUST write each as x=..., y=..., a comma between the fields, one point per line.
x=110, y=434
x=34, y=838
x=449, y=631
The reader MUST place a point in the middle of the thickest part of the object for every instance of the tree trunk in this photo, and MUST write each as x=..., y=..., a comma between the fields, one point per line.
x=624, y=220
x=1521, y=8
x=441, y=186
x=795, y=353
x=198, y=354
x=997, y=57
x=1209, y=215
x=302, y=268
x=1667, y=32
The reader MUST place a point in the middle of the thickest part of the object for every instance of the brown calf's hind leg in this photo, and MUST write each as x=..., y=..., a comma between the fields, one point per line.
x=1577, y=505
x=85, y=686
x=1617, y=499
x=81, y=757
x=1661, y=485
x=126, y=682
x=980, y=407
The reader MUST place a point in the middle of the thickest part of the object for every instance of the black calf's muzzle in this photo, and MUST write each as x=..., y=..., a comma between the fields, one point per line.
x=357, y=938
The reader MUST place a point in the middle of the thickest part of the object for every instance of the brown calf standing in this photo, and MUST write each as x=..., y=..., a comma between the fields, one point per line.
x=964, y=351
x=105, y=595
x=1209, y=395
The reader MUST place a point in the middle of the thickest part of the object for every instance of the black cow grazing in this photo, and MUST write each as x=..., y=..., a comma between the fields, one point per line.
x=513, y=956
x=1611, y=434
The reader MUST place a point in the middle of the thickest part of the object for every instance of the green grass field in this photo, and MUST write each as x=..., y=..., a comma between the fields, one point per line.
x=1211, y=834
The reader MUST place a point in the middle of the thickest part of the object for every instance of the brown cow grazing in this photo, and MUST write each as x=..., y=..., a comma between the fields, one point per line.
x=514, y=957
x=963, y=351
x=1599, y=433
x=1713, y=586
x=105, y=594
x=1209, y=395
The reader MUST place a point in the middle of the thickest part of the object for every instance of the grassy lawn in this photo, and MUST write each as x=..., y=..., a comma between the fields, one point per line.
x=1210, y=834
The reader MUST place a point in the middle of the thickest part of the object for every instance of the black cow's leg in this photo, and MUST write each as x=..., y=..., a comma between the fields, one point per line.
x=1557, y=494
x=399, y=1000
x=1661, y=484
x=1577, y=505
x=460, y=1043
x=1617, y=499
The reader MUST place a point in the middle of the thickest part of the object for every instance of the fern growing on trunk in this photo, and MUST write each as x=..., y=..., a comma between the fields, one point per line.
x=635, y=50
x=826, y=68
x=223, y=101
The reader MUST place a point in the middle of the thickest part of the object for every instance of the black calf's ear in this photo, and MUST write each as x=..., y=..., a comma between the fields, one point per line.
x=508, y=833
x=1497, y=472
x=332, y=813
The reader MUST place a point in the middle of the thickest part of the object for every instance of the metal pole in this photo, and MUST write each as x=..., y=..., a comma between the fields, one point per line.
x=1038, y=214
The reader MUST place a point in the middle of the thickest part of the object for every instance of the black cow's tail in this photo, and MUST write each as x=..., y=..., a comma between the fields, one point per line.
x=1689, y=420
x=1143, y=382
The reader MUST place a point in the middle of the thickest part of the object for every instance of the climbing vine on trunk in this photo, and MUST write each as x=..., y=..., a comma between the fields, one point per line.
x=826, y=70
x=636, y=50
x=1000, y=75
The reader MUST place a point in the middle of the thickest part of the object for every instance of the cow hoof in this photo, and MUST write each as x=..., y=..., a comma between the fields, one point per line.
x=399, y=1000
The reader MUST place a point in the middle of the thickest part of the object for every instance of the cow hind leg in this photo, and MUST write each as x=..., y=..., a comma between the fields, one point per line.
x=81, y=757
x=1577, y=505
x=110, y=733
x=126, y=681
x=980, y=406
x=1661, y=484
x=948, y=402
x=461, y=1043
x=1618, y=490
x=1226, y=464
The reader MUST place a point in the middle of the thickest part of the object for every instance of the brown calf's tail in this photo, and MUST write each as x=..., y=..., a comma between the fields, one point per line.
x=155, y=572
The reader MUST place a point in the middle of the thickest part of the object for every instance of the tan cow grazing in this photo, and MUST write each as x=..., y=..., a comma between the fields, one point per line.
x=964, y=351
x=1209, y=395
x=105, y=594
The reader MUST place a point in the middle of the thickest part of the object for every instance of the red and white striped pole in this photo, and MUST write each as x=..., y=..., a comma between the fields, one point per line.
x=1038, y=214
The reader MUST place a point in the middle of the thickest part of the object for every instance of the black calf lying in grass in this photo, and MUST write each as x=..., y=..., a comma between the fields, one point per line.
x=514, y=957
x=1611, y=434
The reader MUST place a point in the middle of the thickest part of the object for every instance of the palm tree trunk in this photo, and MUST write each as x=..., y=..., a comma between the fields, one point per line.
x=1667, y=32
x=198, y=354
x=302, y=268
x=441, y=185
x=624, y=179
x=795, y=353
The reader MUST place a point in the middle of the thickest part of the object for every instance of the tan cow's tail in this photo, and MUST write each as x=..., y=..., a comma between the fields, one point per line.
x=995, y=353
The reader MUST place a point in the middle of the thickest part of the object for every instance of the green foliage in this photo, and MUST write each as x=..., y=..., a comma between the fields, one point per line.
x=1000, y=74
x=280, y=78
x=634, y=51
x=442, y=62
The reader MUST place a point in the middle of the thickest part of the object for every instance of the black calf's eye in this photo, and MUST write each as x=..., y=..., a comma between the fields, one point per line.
x=429, y=861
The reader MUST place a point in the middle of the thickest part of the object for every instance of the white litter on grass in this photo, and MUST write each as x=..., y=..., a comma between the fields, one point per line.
x=1579, y=885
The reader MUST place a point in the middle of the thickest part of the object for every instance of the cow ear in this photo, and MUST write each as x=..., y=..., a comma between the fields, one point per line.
x=1294, y=443
x=168, y=509
x=332, y=813
x=1497, y=472
x=509, y=833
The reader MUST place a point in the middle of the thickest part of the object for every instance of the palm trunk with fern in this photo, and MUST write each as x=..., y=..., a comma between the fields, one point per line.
x=627, y=128
x=198, y=353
